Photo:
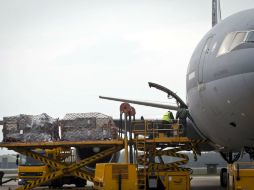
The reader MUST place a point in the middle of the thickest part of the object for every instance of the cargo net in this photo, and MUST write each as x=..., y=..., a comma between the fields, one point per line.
x=87, y=126
x=30, y=128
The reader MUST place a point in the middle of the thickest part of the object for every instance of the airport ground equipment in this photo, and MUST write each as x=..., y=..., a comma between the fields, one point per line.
x=240, y=176
x=30, y=169
x=58, y=168
x=153, y=143
x=119, y=176
x=151, y=140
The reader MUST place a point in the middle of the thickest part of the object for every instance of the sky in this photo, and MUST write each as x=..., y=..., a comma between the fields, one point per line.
x=58, y=56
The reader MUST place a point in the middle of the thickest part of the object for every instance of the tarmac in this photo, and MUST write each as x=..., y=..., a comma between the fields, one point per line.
x=206, y=182
x=197, y=183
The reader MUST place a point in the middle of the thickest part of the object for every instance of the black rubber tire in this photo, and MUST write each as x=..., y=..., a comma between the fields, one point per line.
x=57, y=184
x=223, y=177
x=80, y=183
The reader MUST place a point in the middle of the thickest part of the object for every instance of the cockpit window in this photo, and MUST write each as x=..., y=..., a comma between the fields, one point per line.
x=225, y=46
x=239, y=38
x=250, y=37
x=232, y=40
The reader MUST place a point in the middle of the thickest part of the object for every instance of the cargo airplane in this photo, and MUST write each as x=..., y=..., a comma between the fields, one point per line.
x=220, y=85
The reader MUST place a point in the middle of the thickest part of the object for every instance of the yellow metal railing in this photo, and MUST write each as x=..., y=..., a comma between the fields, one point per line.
x=154, y=139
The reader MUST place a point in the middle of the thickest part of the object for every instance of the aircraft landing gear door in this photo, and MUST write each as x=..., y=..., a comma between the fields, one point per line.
x=203, y=58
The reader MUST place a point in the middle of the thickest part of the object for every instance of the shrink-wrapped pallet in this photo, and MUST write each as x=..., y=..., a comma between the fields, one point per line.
x=30, y=128
x=87, y=126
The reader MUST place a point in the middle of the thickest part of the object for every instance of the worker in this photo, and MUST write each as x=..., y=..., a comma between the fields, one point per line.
x=167, y=119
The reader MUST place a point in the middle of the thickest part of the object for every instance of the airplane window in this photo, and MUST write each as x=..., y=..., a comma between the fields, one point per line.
x=226, y=44
x=250, y=37
x=232, y=40
x=239, y=38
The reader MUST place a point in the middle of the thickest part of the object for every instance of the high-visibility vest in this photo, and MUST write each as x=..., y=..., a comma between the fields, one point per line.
x=166, y=117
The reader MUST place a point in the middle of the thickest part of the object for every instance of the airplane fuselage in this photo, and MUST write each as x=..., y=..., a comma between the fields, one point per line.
x=220, y=83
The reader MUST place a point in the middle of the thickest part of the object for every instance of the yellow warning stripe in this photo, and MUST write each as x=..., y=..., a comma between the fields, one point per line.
x=83, y=175
x=72, y=169
x=41, y=181
x=43, y=159
x=174, y=166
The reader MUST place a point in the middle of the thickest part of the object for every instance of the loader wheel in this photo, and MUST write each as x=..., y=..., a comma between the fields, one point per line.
x=80, y=183
x=223, y=177
x=57, y=184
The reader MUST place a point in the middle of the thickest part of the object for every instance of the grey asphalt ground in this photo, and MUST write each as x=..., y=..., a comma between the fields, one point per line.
x=197, y=183
x=206, y=183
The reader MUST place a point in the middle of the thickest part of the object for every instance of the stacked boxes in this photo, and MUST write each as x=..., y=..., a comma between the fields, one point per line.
x=43, y=128
x=87, y=126
x=30, y=128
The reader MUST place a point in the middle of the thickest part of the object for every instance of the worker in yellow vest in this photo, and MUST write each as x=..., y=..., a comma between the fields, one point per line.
x=168, y=117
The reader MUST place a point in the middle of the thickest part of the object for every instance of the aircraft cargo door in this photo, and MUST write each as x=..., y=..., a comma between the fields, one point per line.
x=205, y=52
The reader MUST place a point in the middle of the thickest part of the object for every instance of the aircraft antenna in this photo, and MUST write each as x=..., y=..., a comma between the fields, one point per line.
x=216, y=12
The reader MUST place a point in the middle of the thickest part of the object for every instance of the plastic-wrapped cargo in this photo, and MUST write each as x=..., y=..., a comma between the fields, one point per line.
x=87, y=126
x=30, y=128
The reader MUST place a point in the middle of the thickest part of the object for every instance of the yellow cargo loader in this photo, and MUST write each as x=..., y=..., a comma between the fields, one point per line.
x=115, y=176
x=150, y=141
x=30, y=169
x=240, y=176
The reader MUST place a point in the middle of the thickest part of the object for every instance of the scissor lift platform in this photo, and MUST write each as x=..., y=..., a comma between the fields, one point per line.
x=59, y=168
x=156, y=140
x=146, y=147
